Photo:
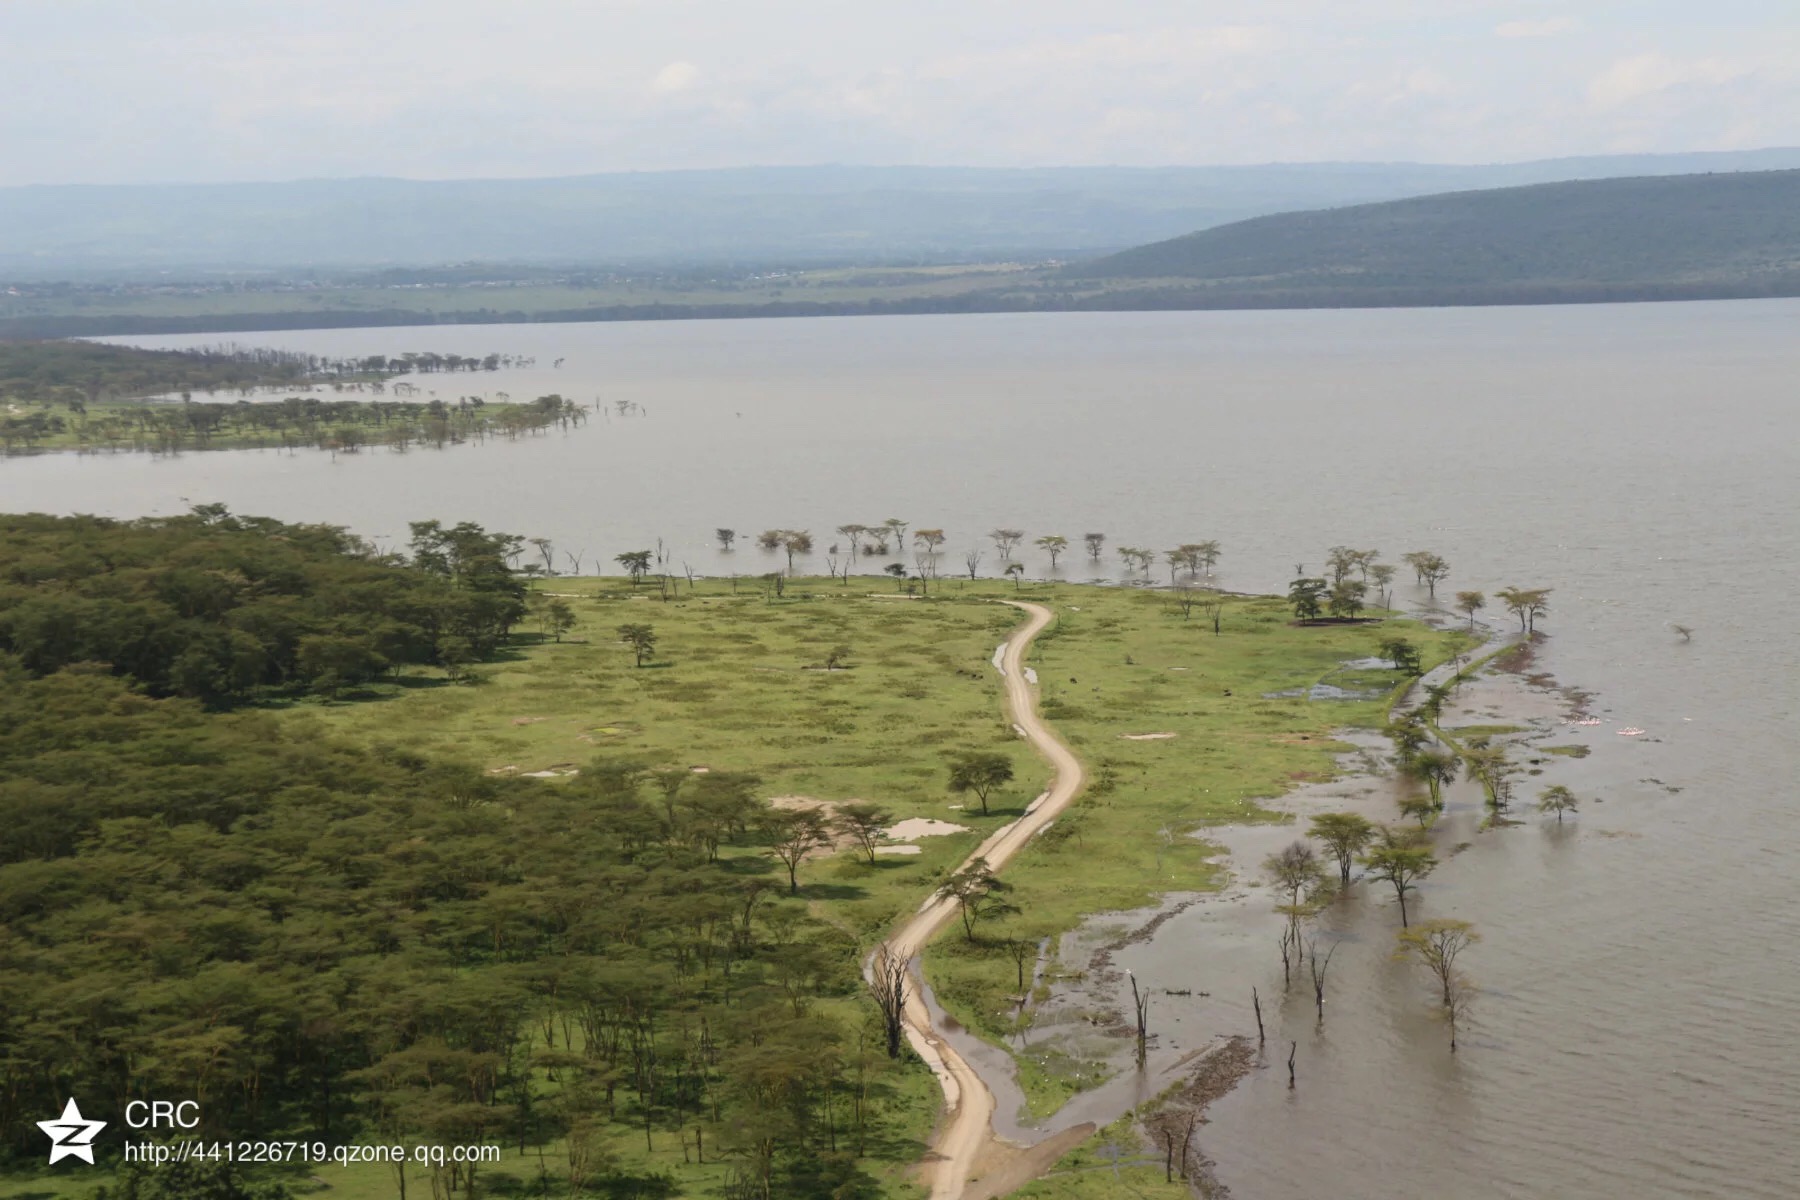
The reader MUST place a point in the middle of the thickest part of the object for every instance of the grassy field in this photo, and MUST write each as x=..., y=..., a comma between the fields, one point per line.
x=738, y=682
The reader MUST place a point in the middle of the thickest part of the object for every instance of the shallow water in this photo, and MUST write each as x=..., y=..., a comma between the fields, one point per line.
x=1638, y=1034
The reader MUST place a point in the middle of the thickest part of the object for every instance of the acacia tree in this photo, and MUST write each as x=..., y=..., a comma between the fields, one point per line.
x=863, y=823
x=896, y=533
x=641, y=639
x=1557, y=799
x=796, y=541
x=931, y=539
x=1095, y=543
x=1434, y=768
x=972, y=561
x=770, y=539
x=977, y=892
x=1053, y=544
x=1005, y=540
x=1527, y=604
x=1436, y=945
x=1346, y=598
x=980, y=773
x=636, y=564
x=1340, y=561
x=1429, y=569
x=793, y=834
x=1297, y=873
x=1470, y=603
x=1017, y=572
x=725, y=536
x=1305, y=594
x=1208, y=554
x=1398, y=859
x=1402, y=654
x=1382, y=575
x=854, y=532
x=1346, y=835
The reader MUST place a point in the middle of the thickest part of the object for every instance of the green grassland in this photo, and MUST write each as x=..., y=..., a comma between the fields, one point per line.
x=738, y=683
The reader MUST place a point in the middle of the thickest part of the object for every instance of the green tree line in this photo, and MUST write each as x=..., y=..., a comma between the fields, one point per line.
x=222, y=608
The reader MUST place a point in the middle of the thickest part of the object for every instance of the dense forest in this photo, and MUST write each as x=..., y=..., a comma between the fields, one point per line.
x=320, y=942
x=222, y=608
x=1688, y=230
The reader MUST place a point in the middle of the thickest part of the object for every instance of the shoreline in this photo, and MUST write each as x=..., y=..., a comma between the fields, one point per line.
x=1107, y=944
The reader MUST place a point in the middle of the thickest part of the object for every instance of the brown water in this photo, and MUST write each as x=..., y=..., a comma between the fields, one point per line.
x=1639, y=1029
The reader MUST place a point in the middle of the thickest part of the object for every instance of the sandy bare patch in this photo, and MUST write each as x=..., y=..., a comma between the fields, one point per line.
x=909, y=848
x=1147, y=737
x=918, y=827
x=508, y=769
x=700, y=770
x=528, y=720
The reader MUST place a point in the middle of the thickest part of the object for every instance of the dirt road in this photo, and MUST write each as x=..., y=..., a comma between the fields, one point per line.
x=967, y=1131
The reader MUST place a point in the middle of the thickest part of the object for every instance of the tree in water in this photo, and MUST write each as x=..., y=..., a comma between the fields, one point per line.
x=1470, y=603
x=1557, y=799
x=1399, y=859
x=1346, y=835
x=1436, y=945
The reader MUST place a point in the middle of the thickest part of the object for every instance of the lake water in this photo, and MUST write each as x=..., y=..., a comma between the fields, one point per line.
x=1638, y=1034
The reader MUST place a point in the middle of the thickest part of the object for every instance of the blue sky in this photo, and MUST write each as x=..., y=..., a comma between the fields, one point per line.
x=210, y=90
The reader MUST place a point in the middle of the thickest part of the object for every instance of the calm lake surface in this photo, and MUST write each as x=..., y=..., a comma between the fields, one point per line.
x=1638, y=1032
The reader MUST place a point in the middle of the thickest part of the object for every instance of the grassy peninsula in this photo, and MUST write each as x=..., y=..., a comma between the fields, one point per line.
x=549, y=830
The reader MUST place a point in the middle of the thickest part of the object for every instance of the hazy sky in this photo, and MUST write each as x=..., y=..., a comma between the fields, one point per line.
x=178, y=90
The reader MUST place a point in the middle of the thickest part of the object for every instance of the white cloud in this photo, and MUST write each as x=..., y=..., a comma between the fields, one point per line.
x=676, y=77
x=1548, y=27
x=1632, y=79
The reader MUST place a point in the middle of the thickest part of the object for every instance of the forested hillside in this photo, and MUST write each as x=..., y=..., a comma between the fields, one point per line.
x=1739, y=230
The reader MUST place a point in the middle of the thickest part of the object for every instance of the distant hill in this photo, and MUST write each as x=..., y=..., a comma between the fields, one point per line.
x=1698, y=235
x=788, y=215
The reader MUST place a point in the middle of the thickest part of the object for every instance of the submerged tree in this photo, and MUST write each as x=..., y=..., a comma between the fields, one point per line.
x=1095, y=543
x=1470, y=603
x=1557, y=799
x=1005, y=540
x=1429, y=569
x=1346, y=835
x=1399, y=859
x=1436, y=945
x=1053, y=544
x=725, y=536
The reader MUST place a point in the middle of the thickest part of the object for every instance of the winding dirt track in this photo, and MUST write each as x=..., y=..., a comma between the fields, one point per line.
x=968, y=1104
